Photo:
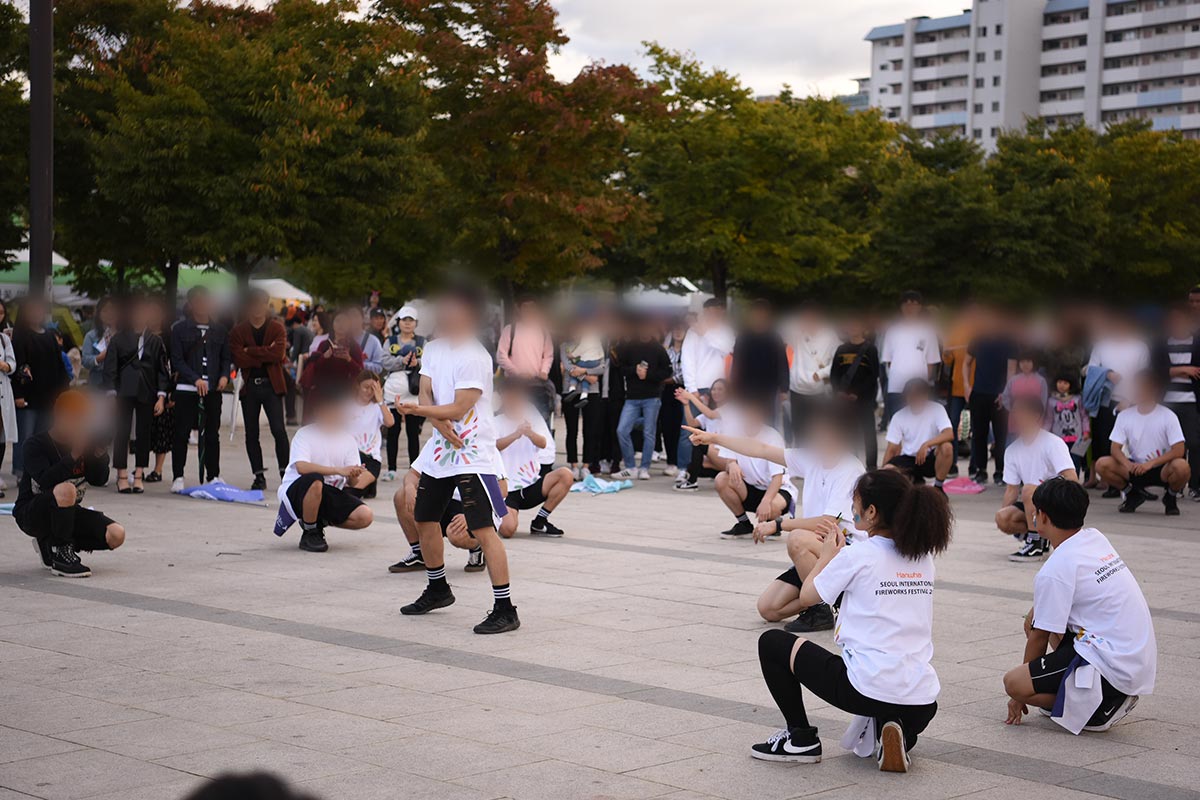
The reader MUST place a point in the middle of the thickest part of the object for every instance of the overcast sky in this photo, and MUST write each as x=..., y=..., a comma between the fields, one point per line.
x=813, y=45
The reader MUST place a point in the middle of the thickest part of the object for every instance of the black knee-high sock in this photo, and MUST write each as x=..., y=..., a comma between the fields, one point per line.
x=775, y=657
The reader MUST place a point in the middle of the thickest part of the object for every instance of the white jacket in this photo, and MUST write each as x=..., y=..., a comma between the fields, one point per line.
x=813, y=355
x=8, y=405
x=702, y=356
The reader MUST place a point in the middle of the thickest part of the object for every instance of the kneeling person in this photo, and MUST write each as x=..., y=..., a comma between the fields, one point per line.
x=1088, y=605
x=522, y=438
x=323, y=482
x=1036, y=455
x=919, y=437
x=59, y=465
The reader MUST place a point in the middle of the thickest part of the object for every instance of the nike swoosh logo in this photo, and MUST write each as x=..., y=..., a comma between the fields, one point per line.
x=787, y=748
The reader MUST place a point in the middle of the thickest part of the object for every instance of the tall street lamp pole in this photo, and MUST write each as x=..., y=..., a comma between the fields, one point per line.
x=41, y=145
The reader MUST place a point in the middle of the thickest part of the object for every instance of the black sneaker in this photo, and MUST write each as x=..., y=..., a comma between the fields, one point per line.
x=741, y=528
x=686, y=483
x=260, y=482
x=499, y=621
x=154, y=477
x=430, y=600
x=313, y=541
x=475, y=561
x=44, y=551
x=1033, y=550
x=1131, y=502
x=1105, y=717
x=411, y=563
x=892, y=753
x=543, y=527
x=1194, y=494
x=1170, y=504
x=799, y=746
x=1111, y=493
x=65, y=563
x=811, y=619
x=980, y=478
x=998, y=479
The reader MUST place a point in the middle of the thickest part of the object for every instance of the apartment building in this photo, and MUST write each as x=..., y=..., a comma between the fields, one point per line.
x=1002, y=61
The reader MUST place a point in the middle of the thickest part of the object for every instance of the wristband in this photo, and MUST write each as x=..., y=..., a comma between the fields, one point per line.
x=778, y=525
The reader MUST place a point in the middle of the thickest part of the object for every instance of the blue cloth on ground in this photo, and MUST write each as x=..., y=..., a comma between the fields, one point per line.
x=593, y=485
x=220, y=490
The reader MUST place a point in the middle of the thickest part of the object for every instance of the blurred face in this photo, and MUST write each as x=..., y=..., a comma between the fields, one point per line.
x=917, y=400
x=143, y=314
x=528, y=311
x=1194, y=303
x=344, y=327
x=854, y=329
x=1026, y=422
x=70, y=425
x=1145, y=392
x=107, y=315
x=511, y=401
x=759, y=319
x=910, y=309
x=1025, y=365
x=201, y=306
x=258, y=308
x=1179, y=325
x=453, y=317
x=37, y=311
x=826, y=440
x=714, y=314
x=719, y=393
x=332, y=415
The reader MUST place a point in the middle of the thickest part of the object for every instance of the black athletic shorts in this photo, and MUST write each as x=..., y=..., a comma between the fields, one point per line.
x=546, y=469
x=531, y=496
x=791, y=577
x=909, y=464
x=35, y=519
x=372, y=465
x=336, y=504
x=755, y=495
x=1049, y=670
x=1152, y=477
x=481, y=499
x=1019, y=505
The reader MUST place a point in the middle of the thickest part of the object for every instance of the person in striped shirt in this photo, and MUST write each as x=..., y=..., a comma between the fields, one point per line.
x=1177, y=358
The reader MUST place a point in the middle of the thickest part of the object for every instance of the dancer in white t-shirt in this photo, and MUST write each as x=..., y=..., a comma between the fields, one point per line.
x=1036, y=455
x=920, y=439
x=1148, y=449
x=885, y=626
x=1088, y=607
x=522, y=437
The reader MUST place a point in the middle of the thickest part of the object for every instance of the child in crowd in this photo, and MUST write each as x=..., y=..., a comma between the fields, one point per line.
x=1147, y=449
x=1088, y=607
x=1025, y=382
x=369, y=415
x=829, y=470
x=586, y=351
x=1035, y=455
x=715, y=417
x=322, y=484
x=920, y=441
x=885, y=627
x=1067, y=419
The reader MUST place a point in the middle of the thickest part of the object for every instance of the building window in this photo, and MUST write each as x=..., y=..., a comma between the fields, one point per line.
x=883, y=90
x=996, y=106
x=977, y=133
x=981, y=31
x=883, y=67
x=996, y=55
x=994, y=132
x=979, y=108
x=979, y=83
x=999, y=29
x=996, y=80
x=980, y=58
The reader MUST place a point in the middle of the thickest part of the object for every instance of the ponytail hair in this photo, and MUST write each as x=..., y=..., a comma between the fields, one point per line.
x=918, y=518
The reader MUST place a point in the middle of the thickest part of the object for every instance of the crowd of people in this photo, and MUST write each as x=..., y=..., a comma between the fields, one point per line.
x=780, y=415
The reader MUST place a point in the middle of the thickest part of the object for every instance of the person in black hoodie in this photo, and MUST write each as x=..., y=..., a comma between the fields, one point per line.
x=40, y=374
x=59, y=464
x=854, y=376
x=758, y=370
x=645, y=364
x=135, y=372
x=201, y=357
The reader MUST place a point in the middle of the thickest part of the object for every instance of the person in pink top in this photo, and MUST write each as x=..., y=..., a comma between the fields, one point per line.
x=525, y=352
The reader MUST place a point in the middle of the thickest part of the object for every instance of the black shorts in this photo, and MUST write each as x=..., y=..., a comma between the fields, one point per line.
x=336, y=504
x=453, y=509
x=546, y=469
x=372, y=465
x=1019, y=505
x=909, y=464
x=1152, y=477
x=791, y=577
x=755, y=495
x=88, y=533
x=531, y=496
x=1048, y=672
x=481, y=499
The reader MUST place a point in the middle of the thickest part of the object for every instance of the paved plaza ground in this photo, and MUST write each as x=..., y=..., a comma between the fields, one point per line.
x=207, y=644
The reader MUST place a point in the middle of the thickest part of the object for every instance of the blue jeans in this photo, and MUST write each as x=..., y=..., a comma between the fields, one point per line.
x=633, y=412
x=29, y=422
x=683, y=456
x=955, y=409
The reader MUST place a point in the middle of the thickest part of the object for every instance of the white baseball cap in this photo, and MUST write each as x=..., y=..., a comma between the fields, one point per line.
x=406, y=312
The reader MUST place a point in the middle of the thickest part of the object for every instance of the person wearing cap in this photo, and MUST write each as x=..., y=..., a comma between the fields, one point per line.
x=60, y=463
x=377, y=324
x=402, y=381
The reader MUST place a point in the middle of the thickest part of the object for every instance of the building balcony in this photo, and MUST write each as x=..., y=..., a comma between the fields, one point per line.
x=1065, y=55
x=941, y=119
x=948, y=94
x=960, y=44
x=1065, y=29
x=1159, y=16
x=1054, y=82
x=1153, y=44
x=1059, y=108
x=1154, y=97
x=1177, y=68
x=958, y=69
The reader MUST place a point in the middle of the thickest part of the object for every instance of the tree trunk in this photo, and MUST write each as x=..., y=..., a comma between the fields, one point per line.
x=720, y=281
x=171, y=282
x=242, y=268
x=120, y=279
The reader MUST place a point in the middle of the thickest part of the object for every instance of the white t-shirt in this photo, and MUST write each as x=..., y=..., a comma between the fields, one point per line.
x=450, y=367
x=909, y=347
x=366, y=423
x=910, y=430
x=885, y=626
x=1086, y=587
x=521, y=459
x=827, y=490
x=1126, y=357
x=759, y=471
x=1030, y=463
x=1147, y=436
x=316, y=446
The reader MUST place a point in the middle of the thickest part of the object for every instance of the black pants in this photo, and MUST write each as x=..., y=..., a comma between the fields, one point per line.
x=592, y=420
x=256, y=396
x=611, y=449
x=864, y=422
x=696, y=468
x=412, y=429
x=129, y=409
x=45, y=520
x=1189, y=420
x=1102, y=428
x=987, y=415
x=289, y=399
x=670, y=417
x=824, y=674
x=188, y=407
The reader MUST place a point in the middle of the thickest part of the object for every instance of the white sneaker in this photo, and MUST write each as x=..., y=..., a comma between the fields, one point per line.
x=177, y=485
x=605, y=466
x=657, y=456
x=624, y=475
x=576, y=473
x=388, y=475
x=643, y=474
x=671, y=470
